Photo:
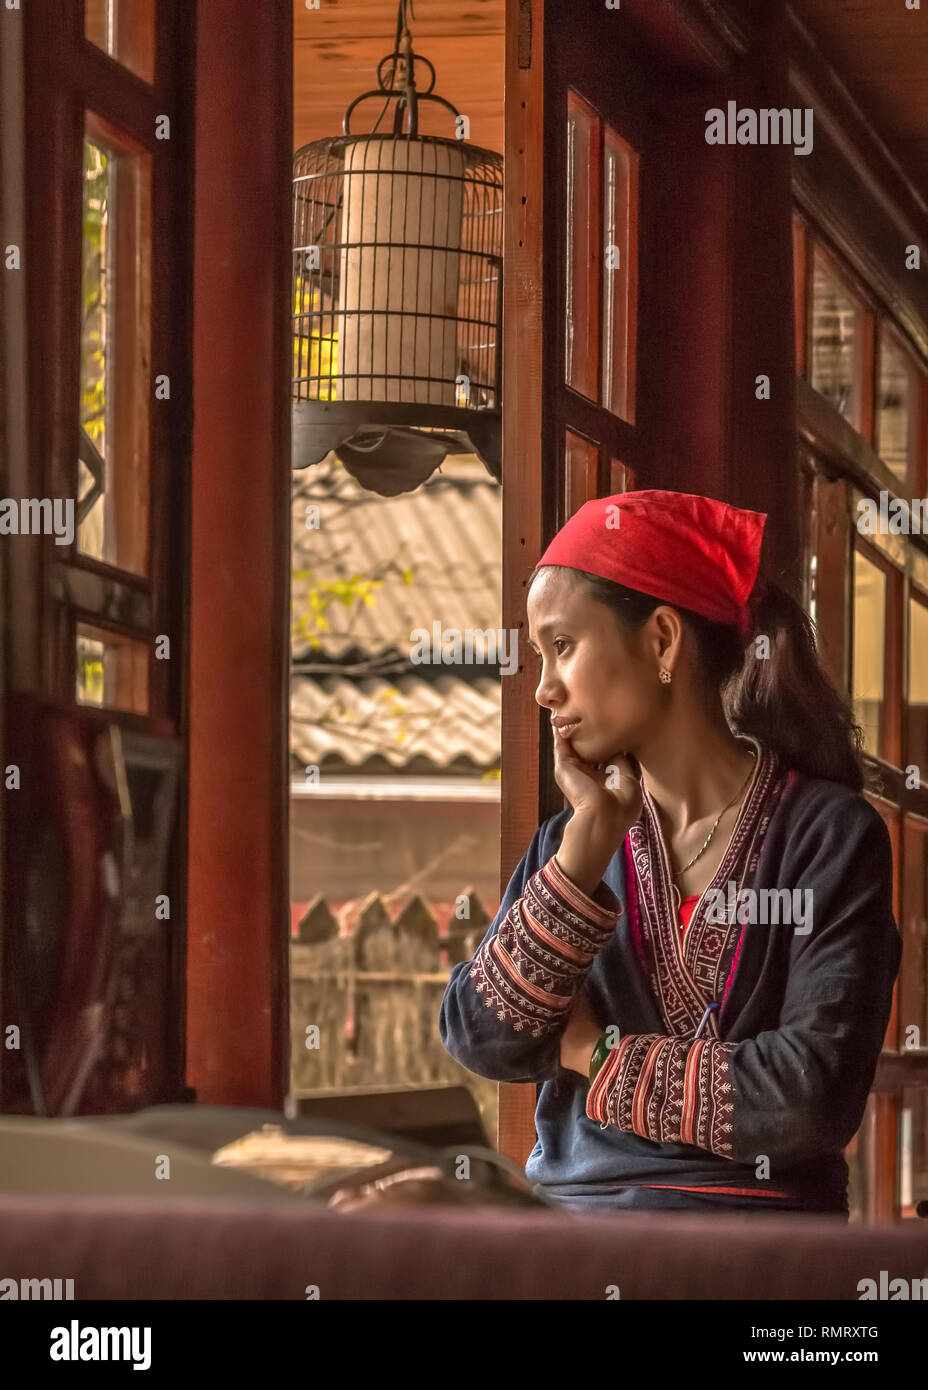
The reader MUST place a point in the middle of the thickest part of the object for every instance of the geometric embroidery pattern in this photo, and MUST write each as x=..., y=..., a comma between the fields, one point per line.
x=530, y=970
x=669, y=1090
x=676, y=1088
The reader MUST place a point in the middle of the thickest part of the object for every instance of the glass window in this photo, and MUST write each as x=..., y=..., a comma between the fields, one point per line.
x=113, y=446
x=581, y=461
x=839, y=326
x=869, y=672
x=620, y=274
x=912, y=990
x=800, y=244
x=913, y=1149
x=581, y=310
x=112, y=670
x=897, y=406
x=621, y=477
x=853, y=1157
x=918, y=685
x=125, y=29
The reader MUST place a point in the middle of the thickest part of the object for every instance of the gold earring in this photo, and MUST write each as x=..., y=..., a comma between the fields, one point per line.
x=664, y=676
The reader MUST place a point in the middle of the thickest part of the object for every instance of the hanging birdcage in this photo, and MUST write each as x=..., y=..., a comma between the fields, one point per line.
x=397, y=293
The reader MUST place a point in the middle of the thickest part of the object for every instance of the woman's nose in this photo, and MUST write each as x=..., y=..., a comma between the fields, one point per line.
x=547, y=692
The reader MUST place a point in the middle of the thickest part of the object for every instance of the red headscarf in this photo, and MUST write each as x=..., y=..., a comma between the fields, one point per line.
x=688, y=550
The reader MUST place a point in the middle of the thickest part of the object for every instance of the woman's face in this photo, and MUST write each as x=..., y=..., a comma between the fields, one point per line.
x=590, y=671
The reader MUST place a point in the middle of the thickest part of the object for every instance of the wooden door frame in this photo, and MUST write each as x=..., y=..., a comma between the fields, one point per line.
x=526, y=455
x=64, y=75
x=238, y=969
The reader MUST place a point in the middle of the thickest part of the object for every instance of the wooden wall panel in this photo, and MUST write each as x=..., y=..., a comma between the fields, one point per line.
x=830, y=540
x=880, y=51
x=334, y=19
x=338, y=47
x=523, y=300
x=764, y=464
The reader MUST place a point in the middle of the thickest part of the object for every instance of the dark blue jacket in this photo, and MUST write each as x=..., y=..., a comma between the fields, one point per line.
x=809, y=1013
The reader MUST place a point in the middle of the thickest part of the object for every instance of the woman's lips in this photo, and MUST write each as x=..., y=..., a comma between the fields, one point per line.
x=566, y=730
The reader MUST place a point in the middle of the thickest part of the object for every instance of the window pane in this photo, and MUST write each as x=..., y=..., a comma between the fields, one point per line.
x=869, y=676
x=918, y=686
x=809, y=502
x=620, y=274
x=853, y=1157
x=111, y=670
x=838, y=327
x=113, y=449
x=896, y=407
x=581, y=310
x=125, y=29
x=799, y=292
x=621, y=477
x=913, y=1149
x=913, y=974
x=580, y=458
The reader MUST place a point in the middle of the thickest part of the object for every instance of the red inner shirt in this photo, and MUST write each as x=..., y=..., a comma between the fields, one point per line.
x=686, y=911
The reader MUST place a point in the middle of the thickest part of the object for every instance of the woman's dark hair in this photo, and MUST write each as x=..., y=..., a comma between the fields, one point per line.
x=786, y=699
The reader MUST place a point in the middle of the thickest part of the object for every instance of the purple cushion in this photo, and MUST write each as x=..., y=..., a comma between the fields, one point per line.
x=188, y=1248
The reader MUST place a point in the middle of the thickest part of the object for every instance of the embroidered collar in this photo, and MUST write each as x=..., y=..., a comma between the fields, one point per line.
x=689, y=972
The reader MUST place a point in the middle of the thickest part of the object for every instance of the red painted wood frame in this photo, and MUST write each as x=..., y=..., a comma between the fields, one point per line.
x=916, y=474
x=833, y=538
x=586, y=124
x=524, y=296
x=219, y=520
x=904, y=809
x=238, y=1043
x=71, y=87
x=890, y=737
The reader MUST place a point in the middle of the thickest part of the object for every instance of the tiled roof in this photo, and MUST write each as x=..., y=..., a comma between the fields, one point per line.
x=444, y=721
x=436, y=552
x=434, y=555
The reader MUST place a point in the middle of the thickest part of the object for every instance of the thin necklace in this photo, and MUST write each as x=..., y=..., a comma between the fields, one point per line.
x=706, y=842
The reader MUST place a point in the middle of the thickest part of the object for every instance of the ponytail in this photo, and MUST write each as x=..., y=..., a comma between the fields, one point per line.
x=787, y=700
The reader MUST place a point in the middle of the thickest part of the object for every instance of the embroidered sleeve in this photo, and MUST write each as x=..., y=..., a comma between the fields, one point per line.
x=530, y=970
x=670, y=1090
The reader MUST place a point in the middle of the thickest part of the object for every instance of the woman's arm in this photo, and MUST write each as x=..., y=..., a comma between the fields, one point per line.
x=503, y=1012
x=796, y=1092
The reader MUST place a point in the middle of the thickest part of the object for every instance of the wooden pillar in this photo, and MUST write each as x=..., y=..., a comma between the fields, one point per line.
x=238, y=913
x=764, y=466
x=685, y=336
x=523, y=296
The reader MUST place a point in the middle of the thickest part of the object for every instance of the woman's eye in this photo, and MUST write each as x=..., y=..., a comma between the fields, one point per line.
x=560, y=641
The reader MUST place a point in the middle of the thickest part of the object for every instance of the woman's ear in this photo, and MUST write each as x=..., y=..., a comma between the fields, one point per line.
x=667, y=631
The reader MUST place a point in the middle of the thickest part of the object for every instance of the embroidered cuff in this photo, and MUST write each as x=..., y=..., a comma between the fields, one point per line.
x=605, y=913
x=529, y=971
x=669, y=1090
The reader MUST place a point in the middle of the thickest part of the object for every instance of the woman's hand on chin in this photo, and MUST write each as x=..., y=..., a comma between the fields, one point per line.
x=609, y=792
x=606, y=800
